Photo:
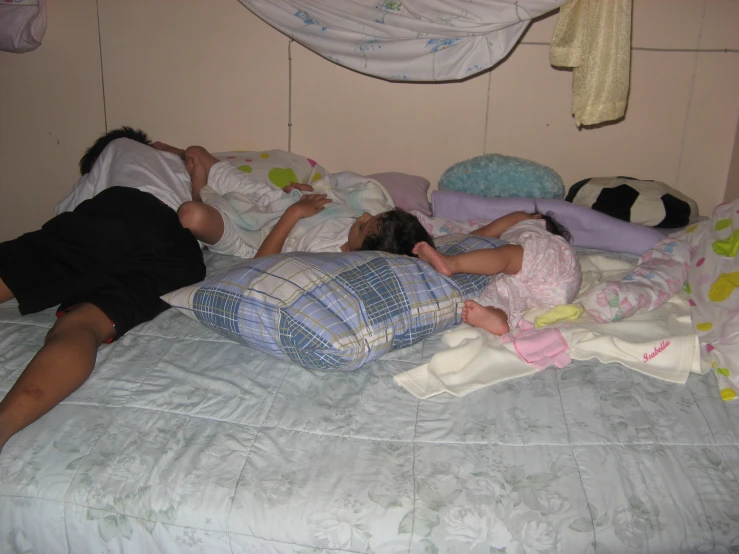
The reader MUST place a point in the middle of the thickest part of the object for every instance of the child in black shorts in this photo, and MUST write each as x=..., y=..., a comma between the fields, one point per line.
x=105, y=264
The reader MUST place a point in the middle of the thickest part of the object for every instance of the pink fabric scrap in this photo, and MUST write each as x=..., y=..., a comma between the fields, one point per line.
x=540, y=347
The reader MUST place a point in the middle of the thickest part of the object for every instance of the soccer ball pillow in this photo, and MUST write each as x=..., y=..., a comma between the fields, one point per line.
x=649, y=203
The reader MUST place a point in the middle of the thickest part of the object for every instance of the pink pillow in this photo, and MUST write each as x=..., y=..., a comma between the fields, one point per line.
x=409, y=192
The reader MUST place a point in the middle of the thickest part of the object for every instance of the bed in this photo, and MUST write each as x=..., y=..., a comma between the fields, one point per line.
x=183, y=441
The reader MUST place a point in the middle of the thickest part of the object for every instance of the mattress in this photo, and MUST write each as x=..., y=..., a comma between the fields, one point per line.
x=184, y=442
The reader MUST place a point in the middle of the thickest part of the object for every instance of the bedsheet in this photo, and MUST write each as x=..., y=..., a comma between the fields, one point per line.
x=184, y=442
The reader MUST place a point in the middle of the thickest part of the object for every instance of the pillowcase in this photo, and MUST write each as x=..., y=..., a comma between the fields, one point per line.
x=275, y=166
x=499, y=176
x=589, y=228
x=333, y=311
x=409, y=192
x=649, y=203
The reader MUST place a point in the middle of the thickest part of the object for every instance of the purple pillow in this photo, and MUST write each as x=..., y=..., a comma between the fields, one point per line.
x=589, y=228
x=409, y=192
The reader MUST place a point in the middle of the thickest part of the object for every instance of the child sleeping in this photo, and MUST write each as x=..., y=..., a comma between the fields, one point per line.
x=538, y=268
x=237, y=215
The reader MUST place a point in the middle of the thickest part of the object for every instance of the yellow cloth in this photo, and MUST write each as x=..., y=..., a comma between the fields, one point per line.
x=594, y=38
x=565, y=312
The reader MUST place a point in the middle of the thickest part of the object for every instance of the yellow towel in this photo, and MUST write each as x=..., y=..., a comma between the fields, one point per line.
x=594, y=38
x=565, y=312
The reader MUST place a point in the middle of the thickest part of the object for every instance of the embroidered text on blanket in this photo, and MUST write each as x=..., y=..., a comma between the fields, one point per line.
x=657, y=349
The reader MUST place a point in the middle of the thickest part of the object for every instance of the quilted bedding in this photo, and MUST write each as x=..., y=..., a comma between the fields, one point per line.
x=185, y=442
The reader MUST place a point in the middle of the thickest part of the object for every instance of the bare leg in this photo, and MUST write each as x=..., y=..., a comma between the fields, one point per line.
x=489, y=261
x=205, y=157
x=204, y=221
x=58, y=369
x=5, y=292
x=489, y=318
x=198, y=175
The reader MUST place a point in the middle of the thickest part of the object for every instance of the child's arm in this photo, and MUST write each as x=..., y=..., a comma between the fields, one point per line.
x=307, y=206
x=497, y=227
x=164, y=147
x=198, y=162
x=487, y=261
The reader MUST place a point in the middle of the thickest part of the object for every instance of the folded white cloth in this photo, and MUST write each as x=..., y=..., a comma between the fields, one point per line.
x=474, y=359
x=661, y=343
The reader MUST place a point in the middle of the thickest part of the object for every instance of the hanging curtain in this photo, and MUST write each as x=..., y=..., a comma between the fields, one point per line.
x=408, y=40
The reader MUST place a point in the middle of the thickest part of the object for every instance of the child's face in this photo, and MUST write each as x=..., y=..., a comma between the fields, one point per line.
x=363, y=226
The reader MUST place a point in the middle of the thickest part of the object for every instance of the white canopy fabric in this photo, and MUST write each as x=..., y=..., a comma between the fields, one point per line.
x=408, y=40
x=22, y=25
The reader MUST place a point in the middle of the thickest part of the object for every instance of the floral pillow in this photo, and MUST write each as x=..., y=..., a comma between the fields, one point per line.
x=275, y=166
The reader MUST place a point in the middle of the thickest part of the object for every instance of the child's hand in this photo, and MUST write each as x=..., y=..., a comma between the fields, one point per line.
x=297, y=186
x=308, y=205
x=164, y=147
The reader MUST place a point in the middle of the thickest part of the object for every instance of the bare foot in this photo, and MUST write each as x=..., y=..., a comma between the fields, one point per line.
x=164, y=147
x=429, y=254
x=489, y=318
x=198, y=175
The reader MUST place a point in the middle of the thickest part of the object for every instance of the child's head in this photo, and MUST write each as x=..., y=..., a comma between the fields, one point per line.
x=92, y=153
x=395, y=231
x=555, y=227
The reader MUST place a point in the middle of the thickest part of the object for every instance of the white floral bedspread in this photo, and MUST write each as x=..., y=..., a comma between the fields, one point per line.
x=183, y=442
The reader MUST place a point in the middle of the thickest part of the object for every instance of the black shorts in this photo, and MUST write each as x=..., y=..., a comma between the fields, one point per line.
x=121, y=250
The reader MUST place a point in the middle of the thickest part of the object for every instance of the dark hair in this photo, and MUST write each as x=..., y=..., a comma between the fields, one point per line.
x=555, y=227
x=92, y=153
x=397, y=233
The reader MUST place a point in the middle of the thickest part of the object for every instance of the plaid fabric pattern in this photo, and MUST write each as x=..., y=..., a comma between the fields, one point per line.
x=333, y=311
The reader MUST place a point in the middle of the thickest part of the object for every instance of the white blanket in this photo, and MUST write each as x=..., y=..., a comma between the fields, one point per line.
x=256, y=209
x=661, y=343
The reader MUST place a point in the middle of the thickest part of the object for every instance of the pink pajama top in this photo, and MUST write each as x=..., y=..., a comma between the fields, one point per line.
x=550, y=274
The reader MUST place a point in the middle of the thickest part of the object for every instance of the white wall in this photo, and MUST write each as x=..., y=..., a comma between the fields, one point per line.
x=51, y=106
x=732, y=183
x=212, y=73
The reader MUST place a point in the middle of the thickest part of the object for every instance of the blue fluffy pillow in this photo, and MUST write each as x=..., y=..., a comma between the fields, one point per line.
x=332, y=311
x=499, y=176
